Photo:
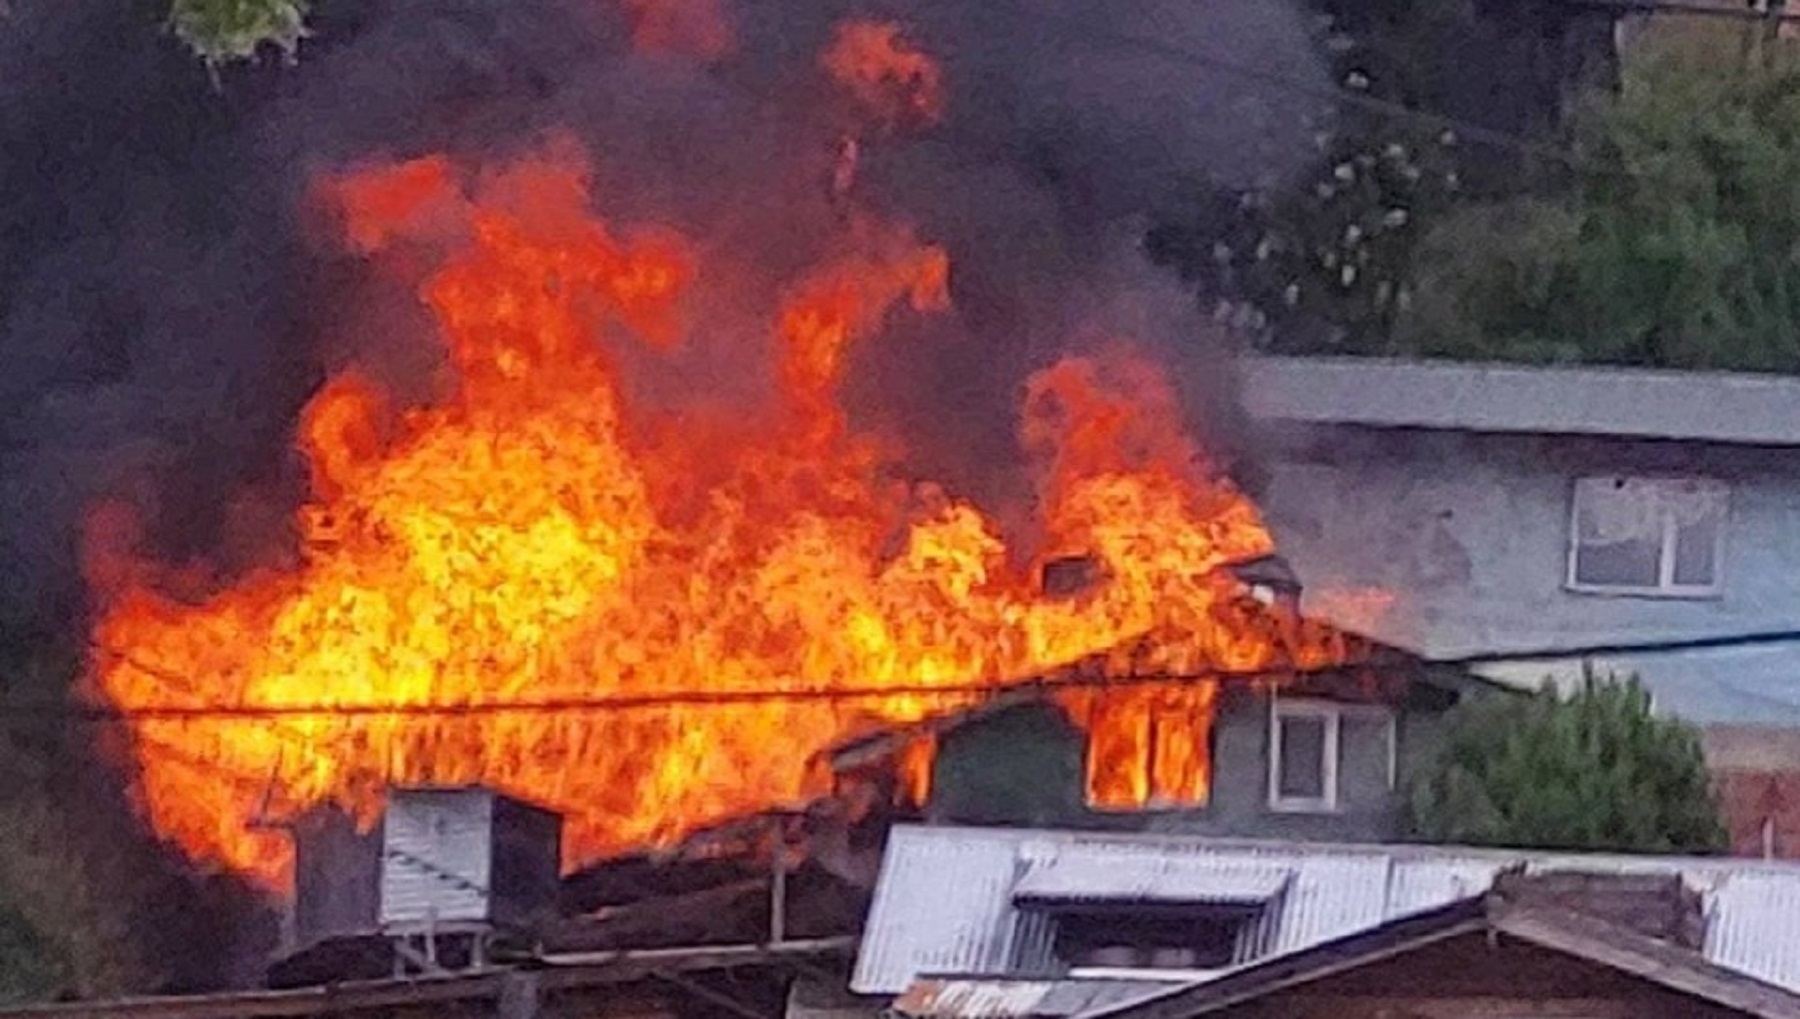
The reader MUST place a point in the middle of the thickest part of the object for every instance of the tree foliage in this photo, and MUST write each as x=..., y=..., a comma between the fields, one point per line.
x=1595, y=770
x=90, y=907
x=1326, y=262
x=223, y=31
x=1677, y=246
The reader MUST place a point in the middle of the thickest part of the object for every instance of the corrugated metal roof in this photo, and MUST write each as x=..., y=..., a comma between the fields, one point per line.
x=1146, y=877
x=1697, y=406
x=1021, y=999
x=945, y=901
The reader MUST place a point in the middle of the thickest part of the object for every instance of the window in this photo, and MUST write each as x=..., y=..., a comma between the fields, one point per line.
x=1148, y=746
x=1324, y=756
x=1647, y=536
x=1186, y=937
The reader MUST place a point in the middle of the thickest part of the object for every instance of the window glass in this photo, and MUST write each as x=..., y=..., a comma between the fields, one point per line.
x=1300, y=773
x=1696, y=545
x=1365, y=758
x=1621, y=562
x=1650, y=534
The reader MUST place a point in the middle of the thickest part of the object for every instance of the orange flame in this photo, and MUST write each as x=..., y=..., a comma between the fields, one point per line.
x=1147, y=745
x=885, y=73
x=681, y=588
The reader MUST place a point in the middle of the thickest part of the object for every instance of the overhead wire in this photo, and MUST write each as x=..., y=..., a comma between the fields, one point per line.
x=115, y=714
x=1461, y=128
x=1297, y=86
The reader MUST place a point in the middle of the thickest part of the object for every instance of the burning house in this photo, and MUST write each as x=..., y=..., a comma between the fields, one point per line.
x=626, y=496
x=1324, y=756
x=545, y=575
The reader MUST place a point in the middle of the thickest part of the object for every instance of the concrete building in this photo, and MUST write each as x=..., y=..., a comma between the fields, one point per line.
x=1523, y=522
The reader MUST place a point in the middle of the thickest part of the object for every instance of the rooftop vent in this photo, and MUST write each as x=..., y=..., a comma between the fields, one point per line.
x=439, y=861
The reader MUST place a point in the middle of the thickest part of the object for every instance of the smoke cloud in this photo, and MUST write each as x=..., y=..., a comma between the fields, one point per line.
x=163, y=315
x=167, y=302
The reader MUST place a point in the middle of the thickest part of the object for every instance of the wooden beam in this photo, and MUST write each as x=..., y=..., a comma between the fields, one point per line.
x=564, y=972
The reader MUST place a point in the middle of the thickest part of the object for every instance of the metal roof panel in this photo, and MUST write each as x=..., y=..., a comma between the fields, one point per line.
x=944, y=903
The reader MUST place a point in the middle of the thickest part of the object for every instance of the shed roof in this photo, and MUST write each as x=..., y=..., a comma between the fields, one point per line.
x=944, y=902
x=1560, y=930
x=1720, y=407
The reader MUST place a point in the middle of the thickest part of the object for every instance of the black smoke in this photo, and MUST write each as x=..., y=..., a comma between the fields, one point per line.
x=166, y=306
x=162, y=315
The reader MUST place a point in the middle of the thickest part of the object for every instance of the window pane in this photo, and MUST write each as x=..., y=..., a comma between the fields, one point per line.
x=1301, y=774
x=1618, y=533
x=1365, y=759
x=1696, y=545
x=1618, y=562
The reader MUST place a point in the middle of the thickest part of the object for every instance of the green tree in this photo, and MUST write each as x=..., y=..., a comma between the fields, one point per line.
x=1677, y=244
x=1595, y=770
x=223, y=31
x=1326, y=262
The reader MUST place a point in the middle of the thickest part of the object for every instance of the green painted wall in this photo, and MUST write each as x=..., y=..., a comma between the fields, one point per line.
x=1024, y=766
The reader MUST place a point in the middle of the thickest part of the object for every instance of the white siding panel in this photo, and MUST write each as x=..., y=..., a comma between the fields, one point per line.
x=947, y=903
x=437, y=856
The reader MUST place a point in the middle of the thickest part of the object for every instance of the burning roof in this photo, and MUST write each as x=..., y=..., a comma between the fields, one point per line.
x=559, y=570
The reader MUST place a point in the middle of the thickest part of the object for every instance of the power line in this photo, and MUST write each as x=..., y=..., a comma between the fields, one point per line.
x=1325, y=93
x=105, y=714
x=1625, y=649
x=1463, y=128
x=1678, y=8
x=1362, y=100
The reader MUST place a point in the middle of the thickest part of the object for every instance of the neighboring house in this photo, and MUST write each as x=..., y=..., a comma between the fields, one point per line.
x=1323, y=756
x=1090, y=920
x=1523, y=521
x=1532, y=947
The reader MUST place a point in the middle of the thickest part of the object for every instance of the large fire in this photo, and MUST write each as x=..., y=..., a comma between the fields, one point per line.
x=531, y=536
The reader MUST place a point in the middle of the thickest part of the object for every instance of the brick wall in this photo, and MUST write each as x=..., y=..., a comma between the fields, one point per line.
x=1756, y=771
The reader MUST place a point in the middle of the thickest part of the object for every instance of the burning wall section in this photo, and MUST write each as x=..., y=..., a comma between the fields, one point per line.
x=648, y=614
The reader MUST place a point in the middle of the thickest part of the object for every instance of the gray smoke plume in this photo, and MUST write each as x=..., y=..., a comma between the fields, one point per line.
x=162, y=317
x=166, y=306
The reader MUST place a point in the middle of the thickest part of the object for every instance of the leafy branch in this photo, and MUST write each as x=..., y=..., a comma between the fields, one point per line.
x=224, y=31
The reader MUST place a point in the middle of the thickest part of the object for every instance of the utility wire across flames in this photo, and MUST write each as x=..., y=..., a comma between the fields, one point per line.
x=532, y=534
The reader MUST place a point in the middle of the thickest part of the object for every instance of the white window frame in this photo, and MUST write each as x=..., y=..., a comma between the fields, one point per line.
x=1333, y=717
x=1333, y=713
x=1665, y=586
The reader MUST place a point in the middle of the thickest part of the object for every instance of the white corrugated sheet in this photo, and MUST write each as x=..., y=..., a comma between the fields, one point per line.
x=1145, y=877
x=945, y=901
x=436, y=854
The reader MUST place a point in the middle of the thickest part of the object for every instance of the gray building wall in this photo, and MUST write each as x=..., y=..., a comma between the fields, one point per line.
x=1025, y=766
x=1468, y=534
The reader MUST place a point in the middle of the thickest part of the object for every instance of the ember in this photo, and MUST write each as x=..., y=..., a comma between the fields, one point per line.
x=532, y=536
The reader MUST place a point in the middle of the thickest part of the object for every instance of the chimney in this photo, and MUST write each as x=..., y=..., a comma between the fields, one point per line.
x=1271, y=581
